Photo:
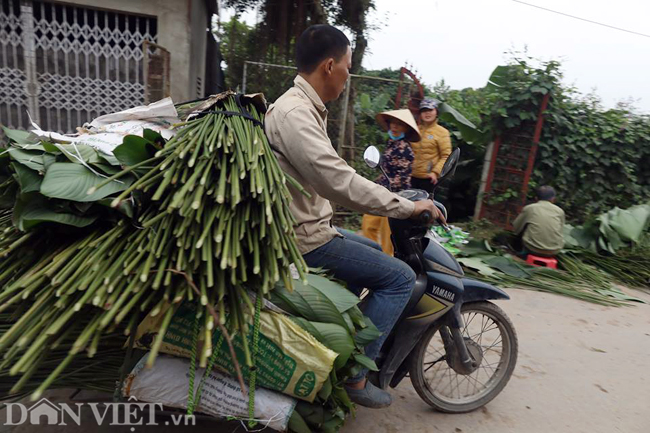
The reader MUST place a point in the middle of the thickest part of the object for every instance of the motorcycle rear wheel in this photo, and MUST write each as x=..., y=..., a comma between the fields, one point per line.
x=490, y=336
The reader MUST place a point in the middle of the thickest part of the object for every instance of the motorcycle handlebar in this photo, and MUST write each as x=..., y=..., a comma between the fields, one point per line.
x=427, y=218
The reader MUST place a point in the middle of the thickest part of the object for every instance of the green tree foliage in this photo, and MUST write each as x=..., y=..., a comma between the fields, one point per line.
x=273, y=39
x=594, y=157
x=282, y=21
x=239, y=42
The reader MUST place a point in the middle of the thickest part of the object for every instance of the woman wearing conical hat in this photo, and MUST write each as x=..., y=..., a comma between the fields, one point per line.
x=397, y=162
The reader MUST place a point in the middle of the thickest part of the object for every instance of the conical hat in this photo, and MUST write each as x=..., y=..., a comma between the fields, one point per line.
x=412, y=134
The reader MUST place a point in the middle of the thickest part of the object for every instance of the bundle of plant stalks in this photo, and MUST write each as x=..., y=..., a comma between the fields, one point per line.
x=210, y=211
x=98, y=368
x=576, y=279
x=631, y=268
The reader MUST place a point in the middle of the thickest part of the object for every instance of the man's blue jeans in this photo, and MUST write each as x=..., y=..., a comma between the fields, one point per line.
x=361, y=264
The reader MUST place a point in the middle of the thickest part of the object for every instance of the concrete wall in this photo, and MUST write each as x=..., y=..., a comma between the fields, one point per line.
x=199, y=26
x=175, y=30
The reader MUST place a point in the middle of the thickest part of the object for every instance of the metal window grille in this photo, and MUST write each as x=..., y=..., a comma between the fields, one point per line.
x=68, y=64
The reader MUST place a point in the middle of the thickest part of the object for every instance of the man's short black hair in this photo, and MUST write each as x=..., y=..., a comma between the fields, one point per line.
x=545, y=192
x=317, y=43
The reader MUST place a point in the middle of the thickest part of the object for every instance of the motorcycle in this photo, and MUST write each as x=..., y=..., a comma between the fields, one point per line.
x=458, y=348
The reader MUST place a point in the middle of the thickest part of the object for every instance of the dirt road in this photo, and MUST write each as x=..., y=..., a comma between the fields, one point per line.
x=581, y=368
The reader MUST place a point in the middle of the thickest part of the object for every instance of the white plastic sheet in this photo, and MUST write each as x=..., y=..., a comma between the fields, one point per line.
x=107, y=132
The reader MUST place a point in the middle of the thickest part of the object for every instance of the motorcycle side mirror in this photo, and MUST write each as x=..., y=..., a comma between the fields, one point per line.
x=372, y=156
x=373, y=159
x=449, y=169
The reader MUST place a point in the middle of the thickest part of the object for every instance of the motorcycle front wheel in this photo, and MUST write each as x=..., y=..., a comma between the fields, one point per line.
x=491, y=340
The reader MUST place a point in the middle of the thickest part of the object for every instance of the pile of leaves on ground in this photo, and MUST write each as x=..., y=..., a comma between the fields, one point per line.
x=612, y=249
x=92, y=243
x=617, y=242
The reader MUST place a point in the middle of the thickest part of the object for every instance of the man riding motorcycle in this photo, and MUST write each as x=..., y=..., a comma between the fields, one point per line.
x=296, y=125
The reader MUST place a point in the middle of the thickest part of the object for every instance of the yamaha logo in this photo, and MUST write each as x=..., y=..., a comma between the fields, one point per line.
x=446, y=294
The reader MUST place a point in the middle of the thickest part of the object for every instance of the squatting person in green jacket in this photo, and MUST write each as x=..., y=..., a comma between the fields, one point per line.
x=540, y=225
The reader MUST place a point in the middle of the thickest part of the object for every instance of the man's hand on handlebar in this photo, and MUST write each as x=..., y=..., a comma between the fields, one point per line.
x=425, y=209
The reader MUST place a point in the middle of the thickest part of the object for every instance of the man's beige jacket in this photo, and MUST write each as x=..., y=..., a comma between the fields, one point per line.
x=296, y=126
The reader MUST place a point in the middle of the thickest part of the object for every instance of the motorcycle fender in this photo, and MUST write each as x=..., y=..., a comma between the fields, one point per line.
x=479, y=291
x=408, y=333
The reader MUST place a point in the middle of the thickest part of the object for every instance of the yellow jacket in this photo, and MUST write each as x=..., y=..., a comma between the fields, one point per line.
x=435, y=148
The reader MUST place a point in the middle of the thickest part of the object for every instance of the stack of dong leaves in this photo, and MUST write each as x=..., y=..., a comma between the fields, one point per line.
x=90, y=244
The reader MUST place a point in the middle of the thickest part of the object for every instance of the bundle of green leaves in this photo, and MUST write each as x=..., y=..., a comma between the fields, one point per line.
x=48, y=182
x=452, y=239
x=329, y=312
x=611, y=231
x=575, y=279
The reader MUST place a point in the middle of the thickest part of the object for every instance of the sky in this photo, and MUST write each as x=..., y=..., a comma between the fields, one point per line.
x=462, y=41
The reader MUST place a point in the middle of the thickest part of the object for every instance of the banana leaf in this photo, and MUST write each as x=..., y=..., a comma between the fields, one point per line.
x=342, y=298
x=72, y=181
x=325, y=390
x=310, y=303
x=134, y=149
x=333, y=336
x=498, y=78
x=619, y=295
x=476, y=247
x=77, y=153
x=306, y=303
x=297, y=423
x=368, y=334
x=508, y=266
x=469, y=131
x=28, y=179
x=30, y=159
x=611, y=231
x=624, y=225
x=312, y=414
x=583, y=237
x=366, y=362
x=20, y=137
x=478, y=264
x=32, y=209
x=48, y=160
